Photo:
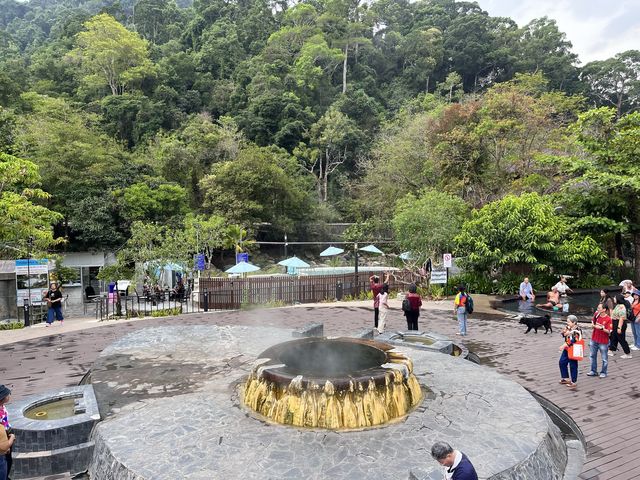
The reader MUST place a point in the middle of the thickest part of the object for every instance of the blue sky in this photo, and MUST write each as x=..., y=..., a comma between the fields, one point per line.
x=598, y=29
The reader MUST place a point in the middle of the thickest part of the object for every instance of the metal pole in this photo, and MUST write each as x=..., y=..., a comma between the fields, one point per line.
x=27, y=320
x=285, y=245
x=355, y=274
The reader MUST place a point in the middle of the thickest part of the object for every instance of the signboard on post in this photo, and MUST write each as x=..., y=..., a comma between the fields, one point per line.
x=438, y=276
x=446, y=260
x=32, y=278
x=242, y=257
x=199, y=261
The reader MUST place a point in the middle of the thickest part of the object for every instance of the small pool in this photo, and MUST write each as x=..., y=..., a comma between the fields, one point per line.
x=52, y=410
x=582, y=305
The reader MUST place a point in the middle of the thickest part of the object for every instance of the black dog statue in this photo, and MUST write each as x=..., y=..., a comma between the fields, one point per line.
x=536, y=323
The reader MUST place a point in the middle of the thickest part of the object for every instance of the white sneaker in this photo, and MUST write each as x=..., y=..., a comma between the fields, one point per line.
x=633, y=347
x=611, y=354
x=625, y=356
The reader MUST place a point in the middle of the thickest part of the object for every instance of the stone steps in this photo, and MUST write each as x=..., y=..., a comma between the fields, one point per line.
x=60, y=462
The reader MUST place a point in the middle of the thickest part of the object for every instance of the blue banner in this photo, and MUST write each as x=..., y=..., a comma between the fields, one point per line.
x=199, y=261
x=242, y=257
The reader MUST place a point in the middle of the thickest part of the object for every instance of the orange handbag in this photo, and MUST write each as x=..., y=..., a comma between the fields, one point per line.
x=576, y=351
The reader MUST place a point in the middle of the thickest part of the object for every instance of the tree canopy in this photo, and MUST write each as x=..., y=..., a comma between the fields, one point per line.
x=157, y=116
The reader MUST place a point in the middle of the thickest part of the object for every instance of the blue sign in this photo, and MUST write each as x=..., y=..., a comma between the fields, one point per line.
x=199, y=261
x=242, y=257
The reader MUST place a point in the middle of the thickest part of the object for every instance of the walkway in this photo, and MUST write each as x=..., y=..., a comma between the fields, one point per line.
x=603, y=408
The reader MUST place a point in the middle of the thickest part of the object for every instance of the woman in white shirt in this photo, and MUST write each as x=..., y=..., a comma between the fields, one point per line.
x=562, y=286
x=383, y=301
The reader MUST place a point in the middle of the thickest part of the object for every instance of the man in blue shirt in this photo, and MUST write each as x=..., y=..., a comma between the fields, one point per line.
x=456, y=464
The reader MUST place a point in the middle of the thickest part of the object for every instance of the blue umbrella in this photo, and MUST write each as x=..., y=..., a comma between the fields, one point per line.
x=331, y=251
x=371, y=249
x=242, y=267
x=294, y=262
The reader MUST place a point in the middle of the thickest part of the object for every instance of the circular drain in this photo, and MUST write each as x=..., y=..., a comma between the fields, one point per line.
x=41, y=414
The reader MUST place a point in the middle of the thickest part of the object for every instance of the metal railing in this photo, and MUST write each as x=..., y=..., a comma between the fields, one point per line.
x=136, y=306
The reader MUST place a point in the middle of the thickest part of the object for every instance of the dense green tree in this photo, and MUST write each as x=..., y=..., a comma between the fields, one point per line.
x=157, y=20
x=615, y=81
x=152, y=201
x=77, y=161
x=111, y=55
x=606, y=174
x=334, y=141
x=22, y=214
x=525, y=230
x=544, y=48
x=259, y=185
x=186, y=155
x=427, y=225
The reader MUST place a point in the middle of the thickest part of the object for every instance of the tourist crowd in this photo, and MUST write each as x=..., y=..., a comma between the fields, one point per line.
x=616, y=312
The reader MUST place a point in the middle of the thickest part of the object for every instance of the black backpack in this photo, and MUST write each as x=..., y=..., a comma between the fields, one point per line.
x=630, y=316
x=469, y=303
x=406, y=305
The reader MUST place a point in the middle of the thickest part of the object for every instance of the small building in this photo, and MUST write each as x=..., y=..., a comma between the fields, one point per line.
x=85, y=264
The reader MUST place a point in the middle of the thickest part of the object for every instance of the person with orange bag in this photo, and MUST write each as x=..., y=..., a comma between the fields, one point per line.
x=572, y=336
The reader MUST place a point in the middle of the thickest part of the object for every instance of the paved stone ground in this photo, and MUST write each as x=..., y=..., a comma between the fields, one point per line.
x=605, y=409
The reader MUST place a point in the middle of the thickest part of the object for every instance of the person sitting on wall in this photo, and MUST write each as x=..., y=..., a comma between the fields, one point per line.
x=553, y=299
x=178, y=291
x=526, y=290
x=89, y=292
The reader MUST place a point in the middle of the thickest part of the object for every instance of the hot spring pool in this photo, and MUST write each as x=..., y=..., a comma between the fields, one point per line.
x=580, y=304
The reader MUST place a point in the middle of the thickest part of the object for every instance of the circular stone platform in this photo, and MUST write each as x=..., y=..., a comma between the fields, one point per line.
x=169, y=396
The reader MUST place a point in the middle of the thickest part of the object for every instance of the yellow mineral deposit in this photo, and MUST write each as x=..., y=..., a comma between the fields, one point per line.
x=330, y=409
x=349, y=410
x=355, y=406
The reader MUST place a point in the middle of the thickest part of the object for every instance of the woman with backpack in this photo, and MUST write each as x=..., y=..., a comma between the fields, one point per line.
x=619, y=317
x=461, y=309
x=411, y=307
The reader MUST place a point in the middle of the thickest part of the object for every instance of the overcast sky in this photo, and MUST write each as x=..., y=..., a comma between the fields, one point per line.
x=598, y=29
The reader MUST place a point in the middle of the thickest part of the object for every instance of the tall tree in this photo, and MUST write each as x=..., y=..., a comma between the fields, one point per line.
x=111, y=55
x=544, y=48
x=615, y=81
x=334, y=140
x=22, y=215
x=608, y=169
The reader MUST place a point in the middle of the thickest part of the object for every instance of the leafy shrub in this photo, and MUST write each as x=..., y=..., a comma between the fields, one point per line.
x=508, y=284
x=437, y=292
x=475, y=282
x=11, y=326
x=166, y=312
x=594, y=280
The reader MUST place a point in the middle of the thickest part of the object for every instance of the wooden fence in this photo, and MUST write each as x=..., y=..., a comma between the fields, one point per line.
x=231, y=293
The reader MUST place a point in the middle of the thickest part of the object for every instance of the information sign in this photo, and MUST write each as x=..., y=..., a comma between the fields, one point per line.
x=32, y=276
x=438, y=276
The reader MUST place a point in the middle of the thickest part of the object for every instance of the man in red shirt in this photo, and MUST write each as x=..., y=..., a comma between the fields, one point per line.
x=602, y=325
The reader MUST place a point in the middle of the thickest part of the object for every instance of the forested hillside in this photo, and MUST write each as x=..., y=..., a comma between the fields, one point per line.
x=152, y=118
